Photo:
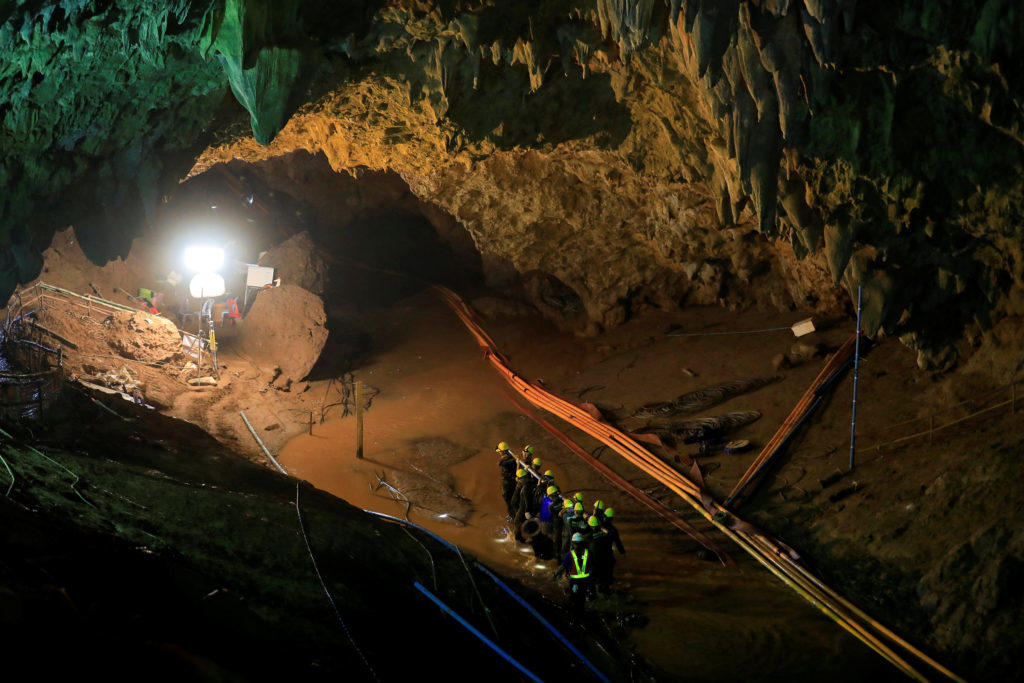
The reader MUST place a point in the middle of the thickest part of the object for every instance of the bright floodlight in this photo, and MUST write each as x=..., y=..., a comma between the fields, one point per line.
x=204, y=259
x=206, y=285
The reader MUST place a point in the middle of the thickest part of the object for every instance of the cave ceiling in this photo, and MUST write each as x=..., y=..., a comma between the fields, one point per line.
x=776, y=153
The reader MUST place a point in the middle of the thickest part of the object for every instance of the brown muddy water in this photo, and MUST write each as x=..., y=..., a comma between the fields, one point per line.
x=430, y=434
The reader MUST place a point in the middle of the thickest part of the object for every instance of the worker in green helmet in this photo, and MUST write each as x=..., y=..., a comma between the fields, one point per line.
x=547, y=480
x=576, y=563
x=603, y=560
x=613, y=533
x=565, y=517
x=525, y=484
x=507, y=469
x=576, y=525
x=593, y=524
x=599, y=511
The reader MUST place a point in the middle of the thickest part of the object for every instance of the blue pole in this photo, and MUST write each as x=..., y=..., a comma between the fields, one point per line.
x=856, y=368
x=469, y=627
x=545, y=623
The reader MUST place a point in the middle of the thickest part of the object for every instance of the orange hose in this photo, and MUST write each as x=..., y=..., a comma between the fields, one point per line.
x=771, y=554
x=797, y=414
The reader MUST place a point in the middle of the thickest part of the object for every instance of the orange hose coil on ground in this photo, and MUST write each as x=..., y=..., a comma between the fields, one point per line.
x=774, y=556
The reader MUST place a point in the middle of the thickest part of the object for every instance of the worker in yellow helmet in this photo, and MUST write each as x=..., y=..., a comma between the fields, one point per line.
x=547, y=479
x=507, y=470
x=549, y=509
x=522, y=498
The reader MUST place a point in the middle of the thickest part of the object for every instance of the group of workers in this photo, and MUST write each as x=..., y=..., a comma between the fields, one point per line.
x=558, y=526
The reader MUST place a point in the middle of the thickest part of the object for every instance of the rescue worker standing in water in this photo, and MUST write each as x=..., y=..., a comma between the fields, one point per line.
x=576, y=564
x=613, y=533
x=507, y=467
x=549, y=510
x=603, y=559
x=525, y=484
x=565, y=526
x=576, y=524
x=547, y=480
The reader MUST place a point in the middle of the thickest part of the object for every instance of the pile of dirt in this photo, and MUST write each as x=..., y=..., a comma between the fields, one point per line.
x=141, y=336
x=285, y=329
x=298, y=262
x=129, y=351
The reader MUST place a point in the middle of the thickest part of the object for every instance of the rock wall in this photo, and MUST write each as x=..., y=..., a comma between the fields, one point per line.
x=707, y=150
x=772, y=152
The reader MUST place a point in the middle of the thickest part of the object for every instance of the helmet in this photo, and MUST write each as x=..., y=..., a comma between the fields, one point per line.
x=502, y=446
x=520, y=473
x=552, y=490
x=578, y=507
x=549, y=473
x=528, y=449
x=609, y=513
x=567, y=502
x=578, y=497
x=577, y=537
x=536, y=463
x=593, y=521
x=599, y=505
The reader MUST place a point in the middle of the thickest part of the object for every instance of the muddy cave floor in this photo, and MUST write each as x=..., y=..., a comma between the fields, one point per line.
x=431, y=430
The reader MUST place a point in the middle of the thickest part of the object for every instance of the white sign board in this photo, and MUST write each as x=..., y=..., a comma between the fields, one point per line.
x=259, y=276
x=803, y=327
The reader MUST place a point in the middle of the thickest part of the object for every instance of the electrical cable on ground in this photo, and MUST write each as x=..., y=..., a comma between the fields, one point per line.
x=476, y=589
x=42, y=455
x=430, y=556
x=323, y=584
x=8, y=468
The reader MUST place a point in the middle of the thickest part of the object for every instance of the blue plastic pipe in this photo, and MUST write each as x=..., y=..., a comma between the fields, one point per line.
x=469, y=627
x=403, y=522
x=542, y=620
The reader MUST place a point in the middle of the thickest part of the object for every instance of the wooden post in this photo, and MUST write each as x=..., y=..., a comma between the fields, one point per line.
x=311, y=423
x=359, y=420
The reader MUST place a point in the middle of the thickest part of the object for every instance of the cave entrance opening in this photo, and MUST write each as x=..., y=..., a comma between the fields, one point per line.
x=361, y=241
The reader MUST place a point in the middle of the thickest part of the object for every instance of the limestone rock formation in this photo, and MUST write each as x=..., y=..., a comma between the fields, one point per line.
x=708, y=150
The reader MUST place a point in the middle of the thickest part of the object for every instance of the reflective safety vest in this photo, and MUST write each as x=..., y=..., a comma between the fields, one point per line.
x=581, y=568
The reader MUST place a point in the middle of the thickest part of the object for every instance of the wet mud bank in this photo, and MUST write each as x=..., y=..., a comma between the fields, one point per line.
x=128, y=544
